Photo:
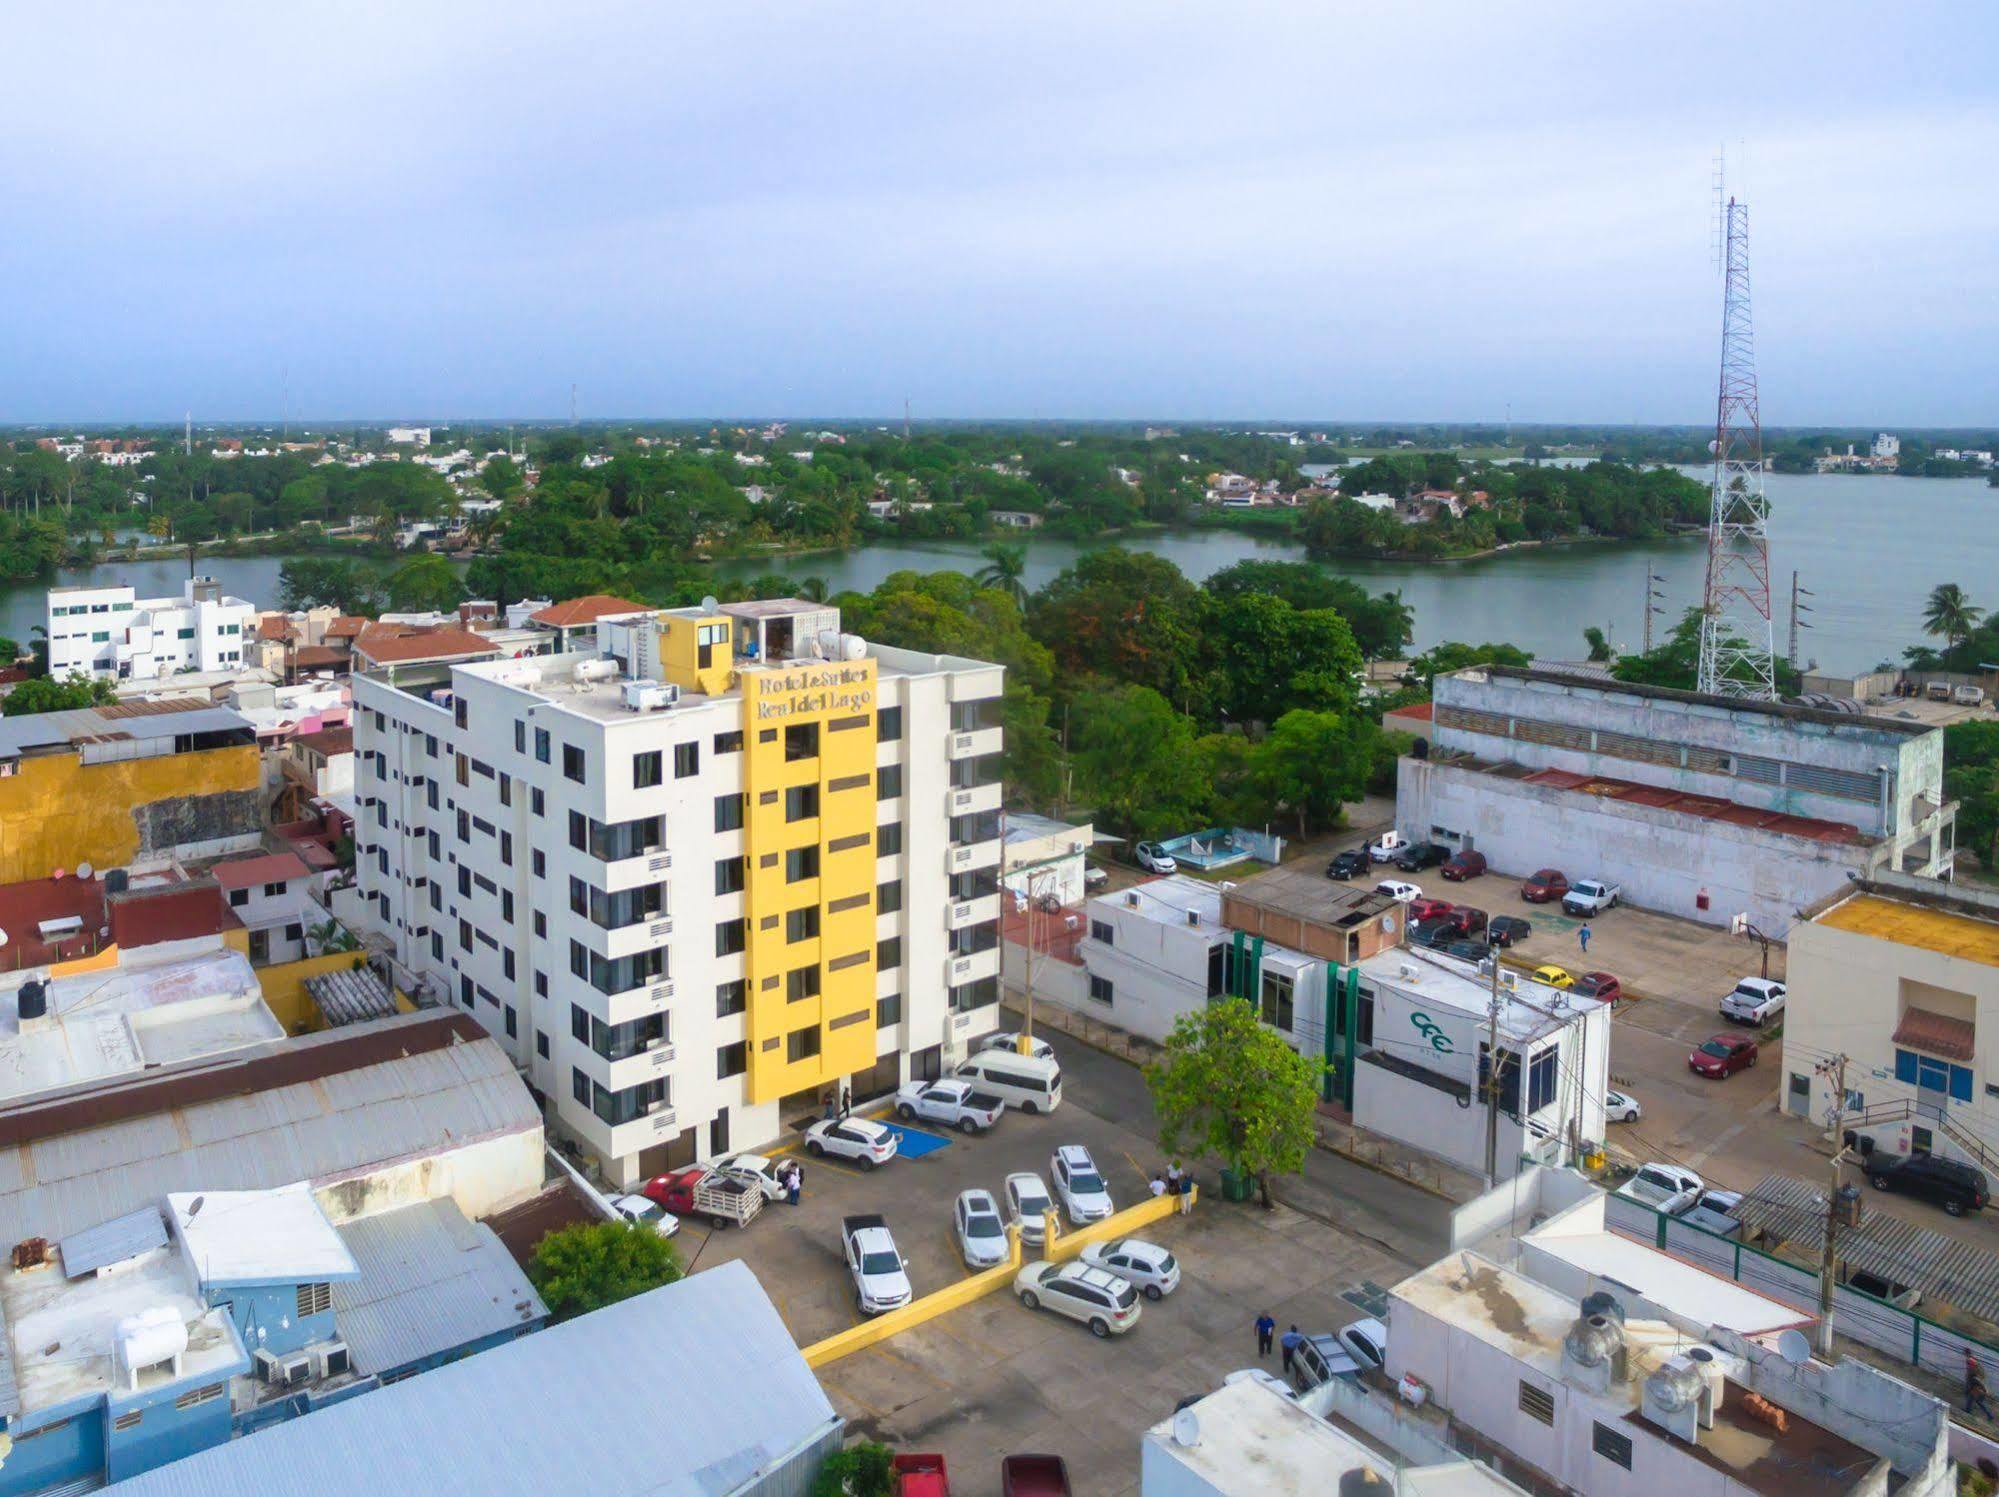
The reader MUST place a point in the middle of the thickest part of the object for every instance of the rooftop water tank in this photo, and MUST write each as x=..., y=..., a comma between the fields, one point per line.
x=150, y=1337
x=33, y=999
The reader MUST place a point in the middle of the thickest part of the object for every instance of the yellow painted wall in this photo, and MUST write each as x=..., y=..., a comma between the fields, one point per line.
x=58, y=812
x=775, y=698
x=680, y=653
x=284, y=987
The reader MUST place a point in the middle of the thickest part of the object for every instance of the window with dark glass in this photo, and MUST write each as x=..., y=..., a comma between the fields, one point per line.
x=728, y=812
x=801, y=983
x=686, y=760
x=728, y=875
x=801, y=802
x=801, y=863
x=801, y=741
x=731, y=998
x=572, y=763
x=801, y=925
x=647, y=770
x=888, y=724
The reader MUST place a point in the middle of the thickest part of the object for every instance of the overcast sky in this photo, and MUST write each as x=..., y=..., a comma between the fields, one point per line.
x=1341, y=211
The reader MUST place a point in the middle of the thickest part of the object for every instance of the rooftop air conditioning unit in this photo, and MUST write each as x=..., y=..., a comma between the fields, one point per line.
x=650, y=696
x=286, y=1371
x=1407, y=972
x=331, y=1359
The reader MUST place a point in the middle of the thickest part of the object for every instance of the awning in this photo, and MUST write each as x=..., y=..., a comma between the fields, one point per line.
x=1954, y=1039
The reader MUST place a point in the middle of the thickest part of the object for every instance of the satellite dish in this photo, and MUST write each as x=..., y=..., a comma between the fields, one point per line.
x=1388, y=925
x=709, y=604
x=1186, y=1428
x=83, y=872
x=1794, y=1347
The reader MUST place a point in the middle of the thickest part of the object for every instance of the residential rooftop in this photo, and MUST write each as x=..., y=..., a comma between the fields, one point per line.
x=1909, y=920
x=103, y=734
x=1301, y=892
x=257, y=1238
x=1247, y=1438
x=247, y=873
x=1527, y=1009
x=1695, y=700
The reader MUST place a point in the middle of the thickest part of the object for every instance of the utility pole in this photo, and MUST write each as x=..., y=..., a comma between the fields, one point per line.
x=1652, y=596
x=1796, y=609
x=1492, y=1078
x=1835, y=1068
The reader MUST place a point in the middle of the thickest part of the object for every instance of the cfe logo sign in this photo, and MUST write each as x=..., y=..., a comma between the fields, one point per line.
x=1432, y=1031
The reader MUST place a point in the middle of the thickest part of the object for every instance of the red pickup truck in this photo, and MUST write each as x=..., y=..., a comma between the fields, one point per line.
x=920, y=1475
x=1034, y=1476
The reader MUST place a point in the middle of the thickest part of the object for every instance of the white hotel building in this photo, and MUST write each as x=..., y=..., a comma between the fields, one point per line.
x=697, y=875
x=111, y=633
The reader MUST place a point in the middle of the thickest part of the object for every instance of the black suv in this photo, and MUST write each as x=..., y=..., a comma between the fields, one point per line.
x=1437, y=932
x=1420, y=855
x=1957, y=1188
x=1347, y=864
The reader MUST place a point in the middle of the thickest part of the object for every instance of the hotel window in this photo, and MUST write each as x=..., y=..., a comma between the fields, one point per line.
x=732, y=1060
x=541, y=745
x=801, y=741
x=802, y=925
x=888, y=840
x=728, y=812
x=801, y=983
x=801, y=802
x=888, y=954
x=888, y=724
x=647, y=770
x=572, y=763
x=888, y=782
x=1277, y=1000
x=731, y=998
x=686, y=760
x=728, y=875
x=888, y=897
x=801, y=863
x=1100, y=930
x=729, y=743
x=888, y=1010
x=801, y=1044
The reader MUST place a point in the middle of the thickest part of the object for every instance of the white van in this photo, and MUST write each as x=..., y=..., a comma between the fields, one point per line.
x=1031, y=1083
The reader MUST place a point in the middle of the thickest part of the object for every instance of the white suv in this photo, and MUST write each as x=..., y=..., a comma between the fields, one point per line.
x=1145, y=1264
x=867, y=1144
x=1667, y=1188
x=1095, y=1296
x=1028, y=1204
x=1082, y=1189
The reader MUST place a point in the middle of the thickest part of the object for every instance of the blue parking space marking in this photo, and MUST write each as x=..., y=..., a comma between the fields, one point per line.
x=914, y=1143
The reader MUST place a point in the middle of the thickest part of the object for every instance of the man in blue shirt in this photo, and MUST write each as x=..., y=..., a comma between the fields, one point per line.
x=1265, y=1329
x=1291, y=1342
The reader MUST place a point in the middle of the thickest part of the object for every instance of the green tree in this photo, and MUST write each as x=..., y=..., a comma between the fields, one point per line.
x=1006, y=565
x=41, y=694
x=588, y=1265
x=1134, y=756
x=501, y=479
x=10, y=650
x=1127, y=615
x=424, y=584
x=329, y=582
x=862, y=1470
x=1441, y=660
x=1599, y=645
x=1228, y=1087
x=1313, y=764
x=1949, y=613
x=1971, y=778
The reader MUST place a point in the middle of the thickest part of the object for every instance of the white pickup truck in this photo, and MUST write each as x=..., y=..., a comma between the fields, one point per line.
x=1591, y=896
x=881, y=1278
x=954, y=1103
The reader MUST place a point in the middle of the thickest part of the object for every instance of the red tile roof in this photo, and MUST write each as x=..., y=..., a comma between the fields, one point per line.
x=311, y=657
x=329, y=741
x=145, y=917
x=399, y=644
x=586, y=610
x=346, y=626
x=271, y=868
x=1954, y=1039
x=274, y=626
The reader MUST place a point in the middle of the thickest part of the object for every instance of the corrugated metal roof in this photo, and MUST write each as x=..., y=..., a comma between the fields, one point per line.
x=1944, y=1269
x=112, y=1242
x=351, y=996
x=312, y=1130
x=431, y=1282
x=704, y=1367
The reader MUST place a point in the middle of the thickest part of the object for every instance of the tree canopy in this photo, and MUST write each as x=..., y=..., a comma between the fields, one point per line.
x=43, y=694
x=588, y=1265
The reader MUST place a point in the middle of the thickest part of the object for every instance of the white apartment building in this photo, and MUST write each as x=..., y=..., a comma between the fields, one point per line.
x=112, y=633
x=696, y=876
x=409, y=436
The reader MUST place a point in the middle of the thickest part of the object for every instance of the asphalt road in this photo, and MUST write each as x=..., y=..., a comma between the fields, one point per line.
x=1408, y=1224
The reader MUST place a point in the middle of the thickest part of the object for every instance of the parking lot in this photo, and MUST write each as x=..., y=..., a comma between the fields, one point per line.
x=994, y=1377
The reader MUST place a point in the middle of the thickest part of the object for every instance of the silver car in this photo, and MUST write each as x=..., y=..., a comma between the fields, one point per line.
x=979, y=1229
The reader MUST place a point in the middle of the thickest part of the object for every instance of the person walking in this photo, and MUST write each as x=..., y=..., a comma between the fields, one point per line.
x=1582, y=934
x=1266, y=1332
x=847, y=1097
x=1173, y=1179
x=1186, y=1194
x=1291, y=1342
x=1158, y=1184
x=1974, y=1388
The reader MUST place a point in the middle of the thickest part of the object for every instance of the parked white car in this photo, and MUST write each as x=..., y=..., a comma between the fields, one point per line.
x=1010, y=1042
x=866, y=1143
x=753, y=1169
x=1027, y=1205
x=1095, y=1296
x=1154, y=859
x=1368, y=1341
x=979, y=1229
x=1398, y=891
x=1621, y=1107
x=1385, y=847
x=1664, y=1187
x=955, y=1104
x=1080, y=1185
x=1146, y=1264
x=642, y=1212
x=1756, y=1000
x=880, y=1272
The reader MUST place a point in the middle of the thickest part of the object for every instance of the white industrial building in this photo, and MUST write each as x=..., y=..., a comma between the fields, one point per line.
x=1901, y=976
x=698, y=876
x=1707, y=807
x=1044, y=858
x=111, y=633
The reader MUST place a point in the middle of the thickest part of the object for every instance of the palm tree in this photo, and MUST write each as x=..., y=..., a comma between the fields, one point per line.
x=1008, y=564
x=1949, y=613
x=813, y=589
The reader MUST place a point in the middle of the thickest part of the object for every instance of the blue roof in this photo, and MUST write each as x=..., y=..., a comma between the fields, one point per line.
x=112, y=1242
x=701, y=1374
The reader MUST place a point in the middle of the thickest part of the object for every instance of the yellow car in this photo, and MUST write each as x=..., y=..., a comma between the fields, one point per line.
x=1554, y=977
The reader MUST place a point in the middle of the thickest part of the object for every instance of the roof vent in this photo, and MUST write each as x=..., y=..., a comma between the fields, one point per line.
x=33, y=999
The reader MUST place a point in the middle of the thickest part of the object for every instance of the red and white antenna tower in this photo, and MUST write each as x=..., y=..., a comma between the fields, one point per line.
x=1738, y=655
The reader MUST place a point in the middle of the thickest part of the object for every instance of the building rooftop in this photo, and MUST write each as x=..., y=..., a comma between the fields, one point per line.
x=430, y=1282
x=121, y=722
x=1908, y=922
x=771, y=608
x=331, y=742
x=559, y=1415
x=1527, y=1009
x=145, y=916
x=1732, y=706
x=572, y=613
x=397, y=644
x=130, y=1017
x=1172, y=898
x=1025, y=826
x=351, y=996
x=258, y=1238
x=62, y=1331
x=1304, y=893
x=1250, y=1439
x=247, y=873
x=27, y=906
x=1681, y=1289
x=317, y=1108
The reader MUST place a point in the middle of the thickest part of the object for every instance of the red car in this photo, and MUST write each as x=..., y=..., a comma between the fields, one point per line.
x=1722, y=1056
x=1427, y=909
x=1600, y=986
x=1466, y=921
x=1546, y=886
x=1463, y=865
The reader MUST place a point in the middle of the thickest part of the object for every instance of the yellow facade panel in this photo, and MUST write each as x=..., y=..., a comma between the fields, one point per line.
x=57, y=812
